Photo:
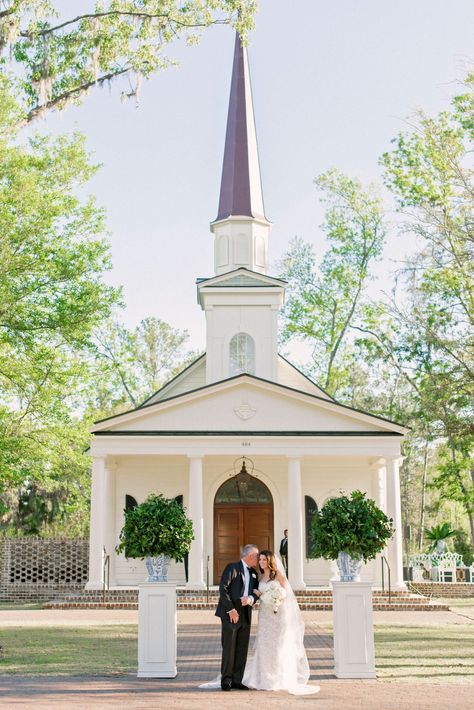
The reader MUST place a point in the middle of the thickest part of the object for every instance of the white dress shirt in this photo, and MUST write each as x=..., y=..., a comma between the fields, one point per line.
x=246, y=579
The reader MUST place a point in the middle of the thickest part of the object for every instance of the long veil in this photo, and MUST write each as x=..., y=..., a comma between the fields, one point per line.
x=295, y=662
x=295, y=659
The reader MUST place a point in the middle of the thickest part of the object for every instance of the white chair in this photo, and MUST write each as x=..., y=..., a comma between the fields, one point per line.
x=445, y=565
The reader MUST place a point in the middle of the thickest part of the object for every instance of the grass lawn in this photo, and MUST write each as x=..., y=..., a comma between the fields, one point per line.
x=404, y=653
x=96, y=650
x=432, y=653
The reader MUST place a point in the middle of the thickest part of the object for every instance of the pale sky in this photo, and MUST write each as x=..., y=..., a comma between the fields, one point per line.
x=332, y=82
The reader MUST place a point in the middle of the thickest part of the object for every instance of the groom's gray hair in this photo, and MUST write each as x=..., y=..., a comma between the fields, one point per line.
x=246, y=550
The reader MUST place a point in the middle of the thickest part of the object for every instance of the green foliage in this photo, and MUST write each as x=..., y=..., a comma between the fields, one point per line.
x=410, y=356
x=60, y=50
x=324, y=303
x=157, y=526
x=52, y=296
x=439, y=533
x=352, y=524
x=130, y=365
x=462, y=547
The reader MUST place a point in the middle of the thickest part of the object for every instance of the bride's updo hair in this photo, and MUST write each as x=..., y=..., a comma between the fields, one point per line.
x=272, y=565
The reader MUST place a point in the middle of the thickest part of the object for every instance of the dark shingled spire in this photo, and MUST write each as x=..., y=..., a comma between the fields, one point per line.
x=241, y=189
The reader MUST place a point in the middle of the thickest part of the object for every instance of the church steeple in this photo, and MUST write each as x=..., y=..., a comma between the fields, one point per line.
x=241, y=189
x=241, y=228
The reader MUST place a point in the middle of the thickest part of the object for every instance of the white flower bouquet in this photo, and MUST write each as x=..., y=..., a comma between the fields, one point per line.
x=273, y=595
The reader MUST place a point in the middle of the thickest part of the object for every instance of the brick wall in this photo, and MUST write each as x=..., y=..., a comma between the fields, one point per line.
x=36, y=569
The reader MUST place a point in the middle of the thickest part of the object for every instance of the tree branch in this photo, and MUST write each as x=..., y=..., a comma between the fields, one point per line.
x=118, y=13
x=72, y=93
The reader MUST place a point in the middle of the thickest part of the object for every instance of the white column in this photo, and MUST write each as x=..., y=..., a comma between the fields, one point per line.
x=379, y=494
x=379, y=485
x=108, y=513
x=394, y=511
x=102, y=522
x=196, y=513
x=96, y=525
x=295, y=525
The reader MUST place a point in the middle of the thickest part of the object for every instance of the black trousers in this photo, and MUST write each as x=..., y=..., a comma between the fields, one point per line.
x=235, y=643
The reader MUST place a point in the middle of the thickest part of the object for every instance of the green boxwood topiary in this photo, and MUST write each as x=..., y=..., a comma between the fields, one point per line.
x=352, y=524
x=158, y=526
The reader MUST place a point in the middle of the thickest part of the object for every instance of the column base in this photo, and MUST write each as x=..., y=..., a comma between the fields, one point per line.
x=297, y=586
x=195, y=585
x=400, y=587
x=94, y=586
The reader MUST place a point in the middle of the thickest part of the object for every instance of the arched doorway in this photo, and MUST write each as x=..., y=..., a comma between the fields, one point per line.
x=242, y=514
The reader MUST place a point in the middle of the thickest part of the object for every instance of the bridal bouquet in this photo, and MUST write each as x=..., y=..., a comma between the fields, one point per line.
x=274, y=594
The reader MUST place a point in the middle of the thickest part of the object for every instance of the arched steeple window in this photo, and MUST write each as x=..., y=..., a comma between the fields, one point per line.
x=241, y=355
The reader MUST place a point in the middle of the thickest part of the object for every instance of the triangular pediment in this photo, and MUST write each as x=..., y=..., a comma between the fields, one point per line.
x=241, y=278
x=248, y=404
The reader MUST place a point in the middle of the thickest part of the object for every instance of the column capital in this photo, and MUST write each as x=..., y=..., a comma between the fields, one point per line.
x=111, y=464
x=394, y=458
x=199, y=456
x=294, y=457
x=377, y=463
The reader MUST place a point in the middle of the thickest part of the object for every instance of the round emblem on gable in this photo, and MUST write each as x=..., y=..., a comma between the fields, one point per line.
x=245, y=411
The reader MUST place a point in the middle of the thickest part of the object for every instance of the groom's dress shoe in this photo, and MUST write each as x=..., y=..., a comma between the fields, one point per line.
x=240, y=686
x=226, y=686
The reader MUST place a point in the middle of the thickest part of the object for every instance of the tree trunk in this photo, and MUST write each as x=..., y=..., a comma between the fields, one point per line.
x=423, y=497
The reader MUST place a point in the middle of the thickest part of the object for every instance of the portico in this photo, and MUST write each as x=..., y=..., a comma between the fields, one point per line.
x=290, y=468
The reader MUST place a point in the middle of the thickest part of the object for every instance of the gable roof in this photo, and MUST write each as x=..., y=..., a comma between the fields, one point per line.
x=184, y=375
x=194, y=377
x=260, y=388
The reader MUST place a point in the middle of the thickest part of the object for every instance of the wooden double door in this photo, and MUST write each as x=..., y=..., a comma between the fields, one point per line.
x=238, y=525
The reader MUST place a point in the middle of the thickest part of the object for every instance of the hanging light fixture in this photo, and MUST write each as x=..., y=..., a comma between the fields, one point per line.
x=243, y=477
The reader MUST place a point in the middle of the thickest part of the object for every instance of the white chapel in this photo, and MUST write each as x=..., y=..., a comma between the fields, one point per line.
x=241, y=437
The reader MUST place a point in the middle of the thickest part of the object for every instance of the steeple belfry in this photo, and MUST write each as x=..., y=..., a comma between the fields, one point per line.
x=241, y=228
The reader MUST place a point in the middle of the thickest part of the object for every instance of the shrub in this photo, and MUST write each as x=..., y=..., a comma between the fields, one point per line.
x=157, y=526
x=352, y=524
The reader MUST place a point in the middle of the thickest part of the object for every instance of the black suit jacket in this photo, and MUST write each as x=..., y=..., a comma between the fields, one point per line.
x=284, y=546
x=232, y=588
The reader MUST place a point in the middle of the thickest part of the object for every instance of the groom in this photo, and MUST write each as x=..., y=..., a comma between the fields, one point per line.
x=237, y=594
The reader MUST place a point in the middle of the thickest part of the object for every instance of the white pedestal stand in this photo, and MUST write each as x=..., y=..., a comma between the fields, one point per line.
x=157, y=630
x=354, y=655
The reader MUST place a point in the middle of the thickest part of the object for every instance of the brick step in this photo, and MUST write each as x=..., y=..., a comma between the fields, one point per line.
x=304, y=606
x=309, y=591
x=443, y=589
x=214, y=598
x=213, y=594
x=193, y=601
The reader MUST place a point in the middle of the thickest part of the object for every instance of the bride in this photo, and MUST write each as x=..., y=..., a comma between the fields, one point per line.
x=279, y=659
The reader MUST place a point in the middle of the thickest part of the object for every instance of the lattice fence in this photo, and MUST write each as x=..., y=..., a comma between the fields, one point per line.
x=36, y=569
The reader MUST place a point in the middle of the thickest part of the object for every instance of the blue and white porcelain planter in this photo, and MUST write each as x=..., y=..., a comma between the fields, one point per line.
x=157, y=568
x=349, y=567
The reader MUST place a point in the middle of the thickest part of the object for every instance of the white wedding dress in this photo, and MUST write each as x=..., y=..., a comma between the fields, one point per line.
x=279, y=660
